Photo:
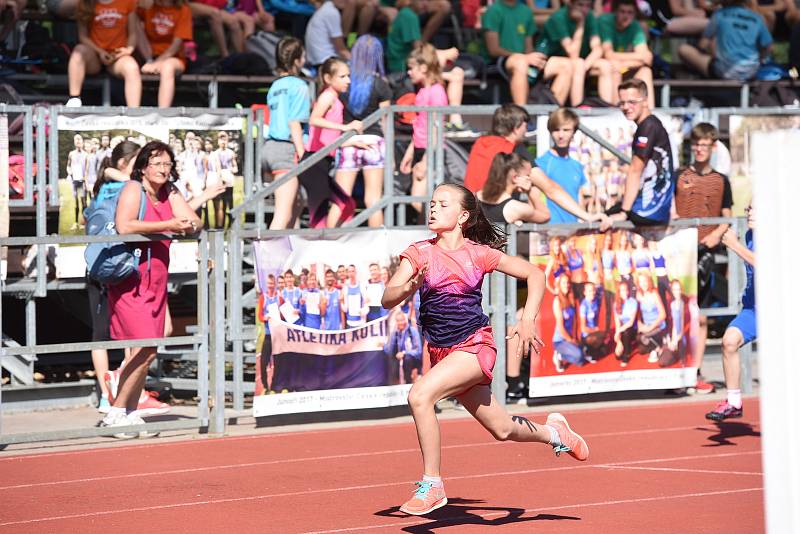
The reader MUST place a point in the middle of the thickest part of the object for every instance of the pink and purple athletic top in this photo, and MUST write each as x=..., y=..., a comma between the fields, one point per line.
x=450, y=296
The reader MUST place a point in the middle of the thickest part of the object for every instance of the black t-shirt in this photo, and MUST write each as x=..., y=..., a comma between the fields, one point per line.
x=379, y=92
x=651, y=144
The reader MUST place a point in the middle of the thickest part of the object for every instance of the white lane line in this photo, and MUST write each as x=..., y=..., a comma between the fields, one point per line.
x=676, y=470
x=361, y=487
x=309, y=459
x=444, y=521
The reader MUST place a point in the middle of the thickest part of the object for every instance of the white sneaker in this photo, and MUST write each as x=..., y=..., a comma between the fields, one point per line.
x=74, y=102
x=135, y=419
x=113, y=419
x=653, y=357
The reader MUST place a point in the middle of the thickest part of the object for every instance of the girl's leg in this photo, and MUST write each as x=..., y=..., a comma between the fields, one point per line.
x=559, y=69
x=235, y=29
x=578, y=81
x=127, y=69
x=346, y=180
x=419, y=182
x=247, y=23
x=480, y=402
x=132, y=378
x=731, y=341
x=455, y=90
x=285, y=197
x=100, y=363
x=455, y=373
x=170, y=70
x=373, y=190
x=82, y=61
x=214, y=17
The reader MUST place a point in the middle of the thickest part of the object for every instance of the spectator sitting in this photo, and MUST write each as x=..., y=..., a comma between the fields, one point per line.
x=572, y=32
x=509, y=125
x=251, y=14
x=107, y=37
x=509, y=31
x=324, y=36
x=625, y=46
x=404, y=36
x=404, y=348
x=220, y=22
x=363, y=10
x=679, y=17
x=740, y=40
x=510, y=173
x=167, y=25
x=435, y=10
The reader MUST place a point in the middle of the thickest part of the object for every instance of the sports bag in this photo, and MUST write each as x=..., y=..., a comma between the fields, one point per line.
x=111, y=262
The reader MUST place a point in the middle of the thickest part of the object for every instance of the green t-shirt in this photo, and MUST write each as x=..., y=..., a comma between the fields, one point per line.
x=559, y=26
x=400, y=39
x=512, y=24
x=621, y=41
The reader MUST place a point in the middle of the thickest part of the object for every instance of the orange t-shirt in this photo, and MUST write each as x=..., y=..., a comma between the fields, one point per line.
x=163, y=24
x=480, y=159
x=108, y=28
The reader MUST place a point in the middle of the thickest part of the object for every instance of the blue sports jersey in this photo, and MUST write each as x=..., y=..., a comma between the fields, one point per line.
x=749, y=295
x=267, y=300
x=649, y=308
x=568, y=318
x=353, y=302
x=292, y=296
x=333, y=311
x=629, y=309
x=312, y=317
x=288, y=100
x=568, y=173
x=590, y=312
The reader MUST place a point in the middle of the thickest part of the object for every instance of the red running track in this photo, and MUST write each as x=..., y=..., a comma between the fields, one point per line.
x=655, y=469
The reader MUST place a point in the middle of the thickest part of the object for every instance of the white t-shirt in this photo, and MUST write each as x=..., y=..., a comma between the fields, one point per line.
x=324, y=26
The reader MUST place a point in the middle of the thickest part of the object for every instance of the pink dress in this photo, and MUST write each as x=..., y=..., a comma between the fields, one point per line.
x=138, y=305
x=434, y=95
x=320, y=137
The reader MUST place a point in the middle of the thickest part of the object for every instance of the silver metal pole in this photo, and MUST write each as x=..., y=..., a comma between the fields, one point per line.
x=217, y=332
x=497, y=298
x=203, y=330
x=27, y=150
x=30, y=321
x=52, y=159
x=388, y=169
x=235, y=314
x=248, y=155
x=41, y=202
x=257, y=173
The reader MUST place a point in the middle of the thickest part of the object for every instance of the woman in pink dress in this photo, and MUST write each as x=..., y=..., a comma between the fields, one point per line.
x=138, y=304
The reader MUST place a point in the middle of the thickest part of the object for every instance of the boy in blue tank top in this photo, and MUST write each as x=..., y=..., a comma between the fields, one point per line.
x=742, y=329
x=311, y=303
x=353, y=298
x=333, y=299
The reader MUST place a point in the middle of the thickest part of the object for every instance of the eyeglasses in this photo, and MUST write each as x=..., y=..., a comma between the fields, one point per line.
x=634, y=101
x=163, y=164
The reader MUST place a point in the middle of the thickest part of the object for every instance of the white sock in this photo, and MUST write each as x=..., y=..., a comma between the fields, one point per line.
x=735, y=398
x=555, y=441
x=114, y=411
x=434, y=481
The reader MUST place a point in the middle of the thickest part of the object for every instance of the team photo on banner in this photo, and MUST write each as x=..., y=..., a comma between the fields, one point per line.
x=620, y=311
x=328, y=344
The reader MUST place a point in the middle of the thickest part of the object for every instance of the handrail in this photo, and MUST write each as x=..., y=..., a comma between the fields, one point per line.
x=259, y=195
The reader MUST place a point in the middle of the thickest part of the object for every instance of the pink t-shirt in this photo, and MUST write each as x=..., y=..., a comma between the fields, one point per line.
x=450, y=296
x=320, y=137
x=435, y=95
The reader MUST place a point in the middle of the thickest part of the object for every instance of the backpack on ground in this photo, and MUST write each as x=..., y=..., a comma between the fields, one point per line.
x=264, y=44
x=112, y=262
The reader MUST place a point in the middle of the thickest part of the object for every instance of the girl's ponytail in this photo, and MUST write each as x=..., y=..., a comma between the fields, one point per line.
x=478, y=228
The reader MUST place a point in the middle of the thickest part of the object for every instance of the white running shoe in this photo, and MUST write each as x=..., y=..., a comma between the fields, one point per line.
x=135, y=419
x=118, y=419
x=74, y=102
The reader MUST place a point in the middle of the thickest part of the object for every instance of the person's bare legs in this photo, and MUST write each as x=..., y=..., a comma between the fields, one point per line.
x=100, y=364
x=559, y=69
x=645, y=74
x=82, y=61
x=439, y=10
x=516, y=65
x=128, y=69
x=285, y=197
x=700, y=342
x=455, y=90
x=604, y=71
x=246, y=22
x=695, y=59
x=688, y=25
x=482, y=404
x=170, y=69
x=419, y=182
x=732, y=340
x=457, y=372
x=367, y=10
x=214, y=17
x=234, y=30
x=373, y=190
x=346, y=180
x=133, y=376
x=578, y=81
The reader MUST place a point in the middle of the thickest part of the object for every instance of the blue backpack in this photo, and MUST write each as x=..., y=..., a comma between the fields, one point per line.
x=112, y=262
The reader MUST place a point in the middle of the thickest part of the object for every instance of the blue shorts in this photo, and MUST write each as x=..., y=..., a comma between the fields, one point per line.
x=745, y=322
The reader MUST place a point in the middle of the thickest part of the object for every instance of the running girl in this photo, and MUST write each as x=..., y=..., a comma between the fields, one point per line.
x=449, y=270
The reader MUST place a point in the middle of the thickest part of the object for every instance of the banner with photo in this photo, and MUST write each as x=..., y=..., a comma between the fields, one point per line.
x=208, y=153
x=328, y=343
x=743, y=158
x=605, y=174
x=620, y=311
